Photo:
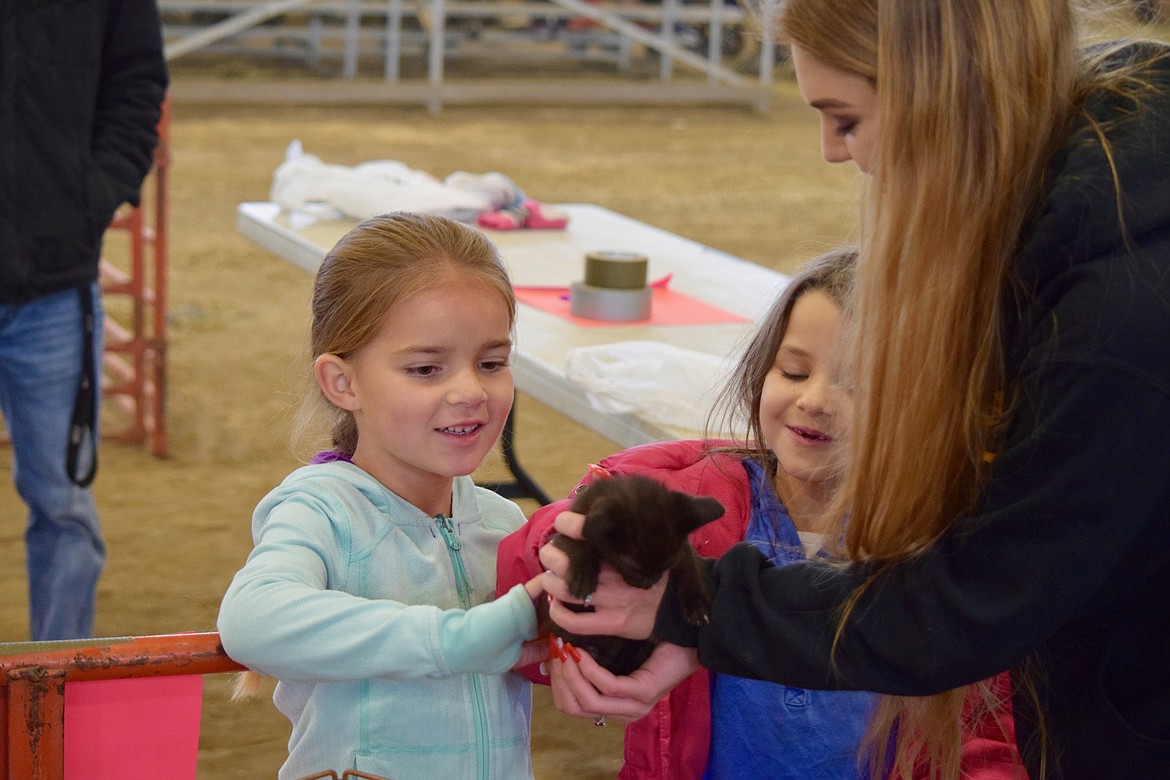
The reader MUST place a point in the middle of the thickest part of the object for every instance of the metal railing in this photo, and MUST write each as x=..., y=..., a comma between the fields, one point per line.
x=33, y=676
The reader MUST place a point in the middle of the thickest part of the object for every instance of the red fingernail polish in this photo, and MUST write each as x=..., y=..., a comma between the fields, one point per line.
x=573, y=653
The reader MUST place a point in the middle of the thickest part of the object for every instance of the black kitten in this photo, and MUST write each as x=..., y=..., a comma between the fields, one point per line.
x=639, y=527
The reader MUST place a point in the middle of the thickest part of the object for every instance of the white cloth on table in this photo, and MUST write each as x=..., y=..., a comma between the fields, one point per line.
x=382, y=186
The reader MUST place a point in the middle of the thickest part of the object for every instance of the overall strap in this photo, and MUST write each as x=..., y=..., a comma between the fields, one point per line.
x=81, y=429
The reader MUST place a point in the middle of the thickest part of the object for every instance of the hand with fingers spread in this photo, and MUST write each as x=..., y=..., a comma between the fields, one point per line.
x=619, y=609
x=585, y=689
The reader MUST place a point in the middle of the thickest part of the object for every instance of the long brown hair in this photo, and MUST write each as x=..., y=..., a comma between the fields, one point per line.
x=377, y=264
x=974, y=99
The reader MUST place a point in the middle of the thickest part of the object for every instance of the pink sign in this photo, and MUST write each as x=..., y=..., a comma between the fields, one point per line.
x=667, y=307
x=144, y=727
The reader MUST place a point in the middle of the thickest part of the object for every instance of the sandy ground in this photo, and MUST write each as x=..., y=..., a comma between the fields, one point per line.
x=178, y=527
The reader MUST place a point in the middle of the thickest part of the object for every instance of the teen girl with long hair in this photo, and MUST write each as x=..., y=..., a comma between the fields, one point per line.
x=1008, y=483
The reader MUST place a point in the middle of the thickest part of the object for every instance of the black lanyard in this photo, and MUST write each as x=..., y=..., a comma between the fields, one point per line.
x=81, y=429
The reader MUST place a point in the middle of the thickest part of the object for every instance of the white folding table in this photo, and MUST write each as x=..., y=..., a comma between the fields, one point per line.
x=538, y=258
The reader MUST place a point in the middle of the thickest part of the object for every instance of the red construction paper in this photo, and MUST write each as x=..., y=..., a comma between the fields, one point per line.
x=667, y=307
x=144, y=727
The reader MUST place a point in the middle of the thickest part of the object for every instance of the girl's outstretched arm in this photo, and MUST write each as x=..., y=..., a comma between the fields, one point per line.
x=281, y=617
x=533, y=651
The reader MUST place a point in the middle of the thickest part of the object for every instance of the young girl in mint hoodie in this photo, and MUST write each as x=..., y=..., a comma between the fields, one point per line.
x=370, y=593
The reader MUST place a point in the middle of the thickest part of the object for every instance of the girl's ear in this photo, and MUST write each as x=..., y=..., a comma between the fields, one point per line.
x=333, y=377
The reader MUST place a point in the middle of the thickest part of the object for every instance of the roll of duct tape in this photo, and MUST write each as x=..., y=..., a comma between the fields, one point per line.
x=602, y=303
x=616, y=270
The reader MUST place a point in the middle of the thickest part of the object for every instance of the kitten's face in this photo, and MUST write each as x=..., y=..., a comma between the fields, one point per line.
x=639, y=526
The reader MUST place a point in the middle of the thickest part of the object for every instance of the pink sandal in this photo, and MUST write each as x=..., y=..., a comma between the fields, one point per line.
x=541, y=216
x=504, y=219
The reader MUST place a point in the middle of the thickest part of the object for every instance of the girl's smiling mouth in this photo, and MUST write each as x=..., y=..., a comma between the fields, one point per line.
x=461, y=430
x=810, y=435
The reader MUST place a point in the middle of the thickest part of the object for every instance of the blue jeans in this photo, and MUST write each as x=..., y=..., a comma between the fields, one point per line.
x=40, y=366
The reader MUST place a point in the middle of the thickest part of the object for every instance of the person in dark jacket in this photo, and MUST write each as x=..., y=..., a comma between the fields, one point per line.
x=81, y=90
x=1009, y=476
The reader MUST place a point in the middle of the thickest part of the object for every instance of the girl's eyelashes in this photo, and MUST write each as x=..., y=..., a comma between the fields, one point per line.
x=791, y=367
x=845, y=128
x=489, y=365
x=494, y=365
x=495, y=360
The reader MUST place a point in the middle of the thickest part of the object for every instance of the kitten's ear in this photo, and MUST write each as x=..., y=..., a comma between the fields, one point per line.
x=697, y=511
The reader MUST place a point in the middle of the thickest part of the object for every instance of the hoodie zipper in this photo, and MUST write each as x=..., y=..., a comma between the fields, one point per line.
x=463, y=587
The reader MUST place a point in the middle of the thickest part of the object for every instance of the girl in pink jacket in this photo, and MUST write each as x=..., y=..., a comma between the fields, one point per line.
x=774, y=488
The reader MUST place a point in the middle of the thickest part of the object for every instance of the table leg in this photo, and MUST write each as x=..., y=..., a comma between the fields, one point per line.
x=522, y=485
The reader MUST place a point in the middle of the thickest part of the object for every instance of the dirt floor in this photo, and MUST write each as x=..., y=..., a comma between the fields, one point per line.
x=177, y=528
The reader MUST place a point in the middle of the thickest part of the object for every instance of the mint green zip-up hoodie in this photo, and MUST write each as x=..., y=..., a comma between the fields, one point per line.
x=378, y=621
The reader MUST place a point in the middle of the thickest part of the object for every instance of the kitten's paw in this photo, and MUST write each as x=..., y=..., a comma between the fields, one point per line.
x=581, y=584
x=697, y=614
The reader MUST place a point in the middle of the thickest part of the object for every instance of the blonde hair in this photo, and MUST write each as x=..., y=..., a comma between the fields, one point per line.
x=374, y=266
x=974, y=99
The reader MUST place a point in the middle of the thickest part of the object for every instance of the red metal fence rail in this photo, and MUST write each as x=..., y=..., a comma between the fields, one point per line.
x=32, y=687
